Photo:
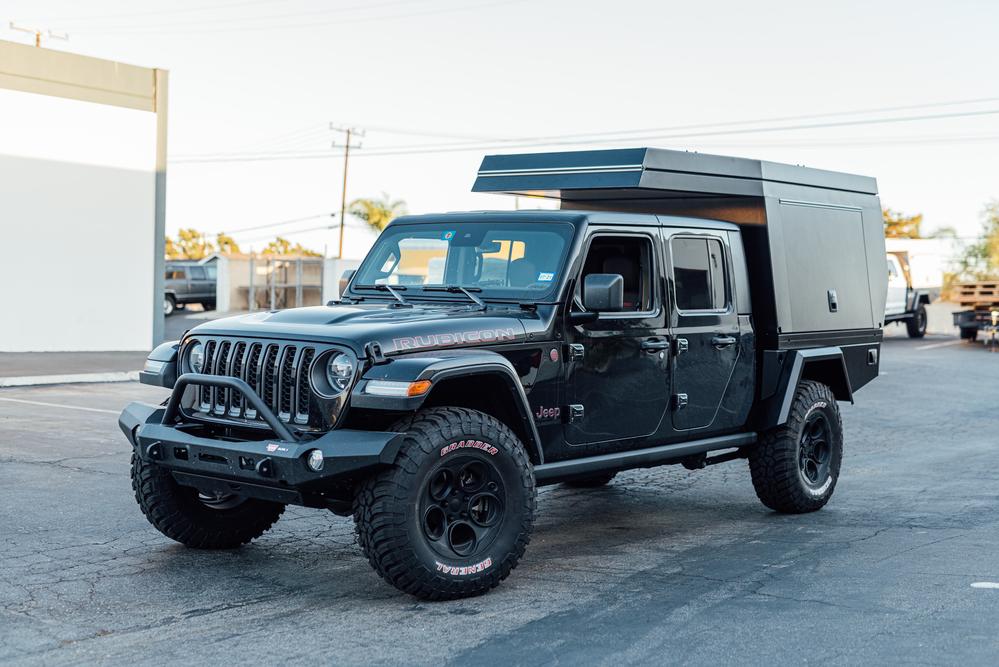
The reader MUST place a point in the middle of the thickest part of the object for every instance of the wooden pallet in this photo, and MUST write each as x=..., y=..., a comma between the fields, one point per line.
x=983, y=294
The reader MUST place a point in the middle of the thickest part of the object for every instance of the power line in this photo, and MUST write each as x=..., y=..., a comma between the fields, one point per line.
x=310, y=132
x=180, y=10
x=234, y=26
x=243, y=157
x=277, y=224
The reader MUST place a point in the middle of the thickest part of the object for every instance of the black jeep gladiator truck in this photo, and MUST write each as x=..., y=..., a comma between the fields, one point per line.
x=679, y=308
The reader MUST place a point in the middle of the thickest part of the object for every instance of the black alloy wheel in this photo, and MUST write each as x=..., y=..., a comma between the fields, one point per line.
x=814, y=450
x=463, y=504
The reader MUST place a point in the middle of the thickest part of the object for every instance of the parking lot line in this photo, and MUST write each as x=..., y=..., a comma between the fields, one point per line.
x=943, y=344
x=58, y=405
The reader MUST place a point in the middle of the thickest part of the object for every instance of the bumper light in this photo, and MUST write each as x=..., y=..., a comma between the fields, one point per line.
x=394, y=389
x=315, y=460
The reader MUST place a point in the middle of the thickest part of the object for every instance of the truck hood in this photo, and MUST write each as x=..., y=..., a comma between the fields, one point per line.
x=397, y=330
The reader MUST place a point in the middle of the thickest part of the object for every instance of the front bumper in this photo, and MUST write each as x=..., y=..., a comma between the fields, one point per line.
x=272, y=469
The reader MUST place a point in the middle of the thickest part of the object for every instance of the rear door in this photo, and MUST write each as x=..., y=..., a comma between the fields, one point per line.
x=705, y=324
x=201, y=286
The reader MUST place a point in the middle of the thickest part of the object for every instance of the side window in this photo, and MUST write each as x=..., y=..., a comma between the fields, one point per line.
x=175, y=274
x=629, y=256
x=212, y=271
x=698, y=273
x=197, y=273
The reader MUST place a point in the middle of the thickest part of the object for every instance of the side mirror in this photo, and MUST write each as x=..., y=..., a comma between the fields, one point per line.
x=345, y=280
x=603, y=292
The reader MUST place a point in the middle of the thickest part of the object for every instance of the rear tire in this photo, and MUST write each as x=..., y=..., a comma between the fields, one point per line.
x=970, y=335
x=915, y=326
x=795, y=466
x=195, y=520
x=453, y=515
x=592, y=481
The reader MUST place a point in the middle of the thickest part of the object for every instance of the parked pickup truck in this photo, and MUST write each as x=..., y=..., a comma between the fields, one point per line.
x=980, y=301
x=188, y=282
x=681, y=309
x=903, y=302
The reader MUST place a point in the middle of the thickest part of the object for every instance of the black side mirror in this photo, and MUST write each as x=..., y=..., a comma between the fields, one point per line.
x=345, y=280
x=603, y=292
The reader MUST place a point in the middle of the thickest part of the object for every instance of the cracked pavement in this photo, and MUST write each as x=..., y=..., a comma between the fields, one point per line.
x=662, y=566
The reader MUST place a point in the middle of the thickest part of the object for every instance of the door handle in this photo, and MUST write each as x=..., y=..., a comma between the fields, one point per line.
x=723, y=341
x=655, y=344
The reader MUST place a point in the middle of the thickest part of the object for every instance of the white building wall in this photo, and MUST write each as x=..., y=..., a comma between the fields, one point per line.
x=76, y=271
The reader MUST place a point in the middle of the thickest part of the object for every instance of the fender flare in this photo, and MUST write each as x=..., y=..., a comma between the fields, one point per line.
x=794, y=365
x=438, y=367
x=919, y=298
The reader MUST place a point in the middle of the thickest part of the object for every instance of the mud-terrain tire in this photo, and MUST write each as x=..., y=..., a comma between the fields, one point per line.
x=453, y=515
x=179, y=513
x=795, y=466
x=591, y=481
x=915, y=326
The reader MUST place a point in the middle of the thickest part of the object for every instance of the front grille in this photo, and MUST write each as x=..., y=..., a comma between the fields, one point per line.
x=278, y=372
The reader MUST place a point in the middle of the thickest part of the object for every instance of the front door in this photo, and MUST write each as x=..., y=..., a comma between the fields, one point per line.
x=895, y=301
x=617, y=377
x=705, y=326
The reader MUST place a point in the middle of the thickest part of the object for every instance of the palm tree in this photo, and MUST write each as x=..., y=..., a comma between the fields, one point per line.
x=377, y=211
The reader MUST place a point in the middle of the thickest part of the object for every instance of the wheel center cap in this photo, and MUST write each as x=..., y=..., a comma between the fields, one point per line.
x=454, y=504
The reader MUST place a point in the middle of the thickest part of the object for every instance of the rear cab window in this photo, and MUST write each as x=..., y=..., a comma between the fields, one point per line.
x=699, y=276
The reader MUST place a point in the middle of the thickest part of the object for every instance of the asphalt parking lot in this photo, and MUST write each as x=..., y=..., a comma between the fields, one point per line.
x=663, y=566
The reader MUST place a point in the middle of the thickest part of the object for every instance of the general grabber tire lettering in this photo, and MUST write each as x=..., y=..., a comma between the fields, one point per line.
x=795, y=466
x=453, y=515
x=196, y=520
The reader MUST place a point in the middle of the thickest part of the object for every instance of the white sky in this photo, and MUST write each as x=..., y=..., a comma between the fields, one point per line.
x=245, y=73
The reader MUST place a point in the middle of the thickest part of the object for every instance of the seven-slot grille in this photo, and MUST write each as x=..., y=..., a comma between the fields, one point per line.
x=278, y=372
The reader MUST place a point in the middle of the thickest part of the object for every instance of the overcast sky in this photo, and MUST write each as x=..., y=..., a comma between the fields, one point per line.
x=254, y=80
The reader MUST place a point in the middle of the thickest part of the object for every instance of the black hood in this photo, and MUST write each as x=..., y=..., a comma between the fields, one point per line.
x=424, y=326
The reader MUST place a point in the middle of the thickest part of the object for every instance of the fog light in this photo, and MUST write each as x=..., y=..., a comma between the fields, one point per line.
x=315, y=460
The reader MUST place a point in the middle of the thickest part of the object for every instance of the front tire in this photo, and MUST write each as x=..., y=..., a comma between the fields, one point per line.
x=795, y=466
x=194, y=519
x=453, y=515
x=169, y=305
x=915, y=326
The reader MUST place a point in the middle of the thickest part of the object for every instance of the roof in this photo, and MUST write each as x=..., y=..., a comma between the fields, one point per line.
x=637, y=173
x=571, y=217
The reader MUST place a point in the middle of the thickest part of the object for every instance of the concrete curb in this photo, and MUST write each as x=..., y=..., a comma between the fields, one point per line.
x=79, y=378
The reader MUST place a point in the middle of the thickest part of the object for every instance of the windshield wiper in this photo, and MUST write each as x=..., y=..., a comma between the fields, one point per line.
x=455, y=289
x=389, y=289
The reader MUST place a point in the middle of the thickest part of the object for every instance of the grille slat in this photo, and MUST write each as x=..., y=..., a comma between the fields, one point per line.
x=302, y=393
x=278, y=373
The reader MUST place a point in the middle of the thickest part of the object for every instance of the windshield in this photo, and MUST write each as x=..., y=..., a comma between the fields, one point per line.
x=502, y=260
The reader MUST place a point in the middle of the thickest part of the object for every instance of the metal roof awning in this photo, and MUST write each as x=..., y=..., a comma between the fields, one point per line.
x=652, y=174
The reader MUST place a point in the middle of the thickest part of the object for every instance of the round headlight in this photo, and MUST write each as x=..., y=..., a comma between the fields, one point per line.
x=339, y=372
x=197, y=358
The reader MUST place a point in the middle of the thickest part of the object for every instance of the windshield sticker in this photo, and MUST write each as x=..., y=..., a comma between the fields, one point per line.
x=546, y=277
x=447, y=236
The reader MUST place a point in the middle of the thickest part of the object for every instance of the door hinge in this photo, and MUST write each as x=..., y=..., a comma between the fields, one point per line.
x=679, y=401
x=576, y=351
x=576, y=412
x=680, y=345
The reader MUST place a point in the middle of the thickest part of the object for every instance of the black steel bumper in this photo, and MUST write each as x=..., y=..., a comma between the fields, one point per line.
x=272, y=469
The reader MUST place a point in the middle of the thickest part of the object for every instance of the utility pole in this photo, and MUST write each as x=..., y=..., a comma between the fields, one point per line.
x=37, y=32
x=350, y=133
